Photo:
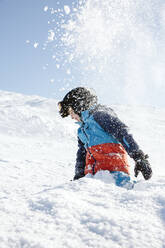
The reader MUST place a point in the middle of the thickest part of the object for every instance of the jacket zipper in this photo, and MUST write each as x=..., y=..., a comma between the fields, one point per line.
x=93, y=166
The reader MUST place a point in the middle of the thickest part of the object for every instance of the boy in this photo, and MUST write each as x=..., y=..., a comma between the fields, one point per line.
x=103, y=140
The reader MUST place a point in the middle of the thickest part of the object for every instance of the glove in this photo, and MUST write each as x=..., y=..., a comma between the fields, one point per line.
x=77, y=176
x=142, y=165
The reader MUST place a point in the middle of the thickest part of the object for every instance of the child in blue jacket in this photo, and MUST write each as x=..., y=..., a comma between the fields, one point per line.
x=103, y=140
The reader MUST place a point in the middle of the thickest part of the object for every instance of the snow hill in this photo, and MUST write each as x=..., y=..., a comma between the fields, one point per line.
x=41, y=208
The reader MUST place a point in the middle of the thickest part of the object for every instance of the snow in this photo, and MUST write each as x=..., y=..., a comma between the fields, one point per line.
x=40, y=207
x=52, y=80
x=46, y=8
x=51, y=35
x=100, y=39
x=36, y=44
x=67, y=9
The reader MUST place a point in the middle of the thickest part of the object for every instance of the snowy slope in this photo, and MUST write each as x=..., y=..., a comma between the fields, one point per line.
x=41, y=208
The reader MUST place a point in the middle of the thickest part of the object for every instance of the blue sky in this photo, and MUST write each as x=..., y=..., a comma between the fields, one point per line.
x=21, y=64
x=124, y=60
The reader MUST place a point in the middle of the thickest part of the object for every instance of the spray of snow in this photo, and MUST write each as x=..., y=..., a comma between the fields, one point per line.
x=51, y=35
x=52, y=80
x=36, y=44
x=46, y=8
x=114, y=46
x=66, y=9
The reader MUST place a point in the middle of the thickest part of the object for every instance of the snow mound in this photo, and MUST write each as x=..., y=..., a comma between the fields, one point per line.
x=40, y=207
x=30, y=116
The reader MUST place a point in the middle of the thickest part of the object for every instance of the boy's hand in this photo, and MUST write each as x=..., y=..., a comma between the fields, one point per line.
x=142, y=165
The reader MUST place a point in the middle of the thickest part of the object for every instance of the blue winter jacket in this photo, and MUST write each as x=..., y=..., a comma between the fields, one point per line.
x=99, y=126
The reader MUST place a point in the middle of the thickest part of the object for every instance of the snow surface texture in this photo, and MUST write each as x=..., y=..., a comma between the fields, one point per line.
x=40, y=207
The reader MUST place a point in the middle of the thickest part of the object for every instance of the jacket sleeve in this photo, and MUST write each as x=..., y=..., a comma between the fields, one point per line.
x=112, y=125
x=80, y=159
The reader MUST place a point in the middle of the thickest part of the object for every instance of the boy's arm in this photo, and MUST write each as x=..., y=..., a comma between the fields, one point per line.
x=112, y=125
x=80, y=161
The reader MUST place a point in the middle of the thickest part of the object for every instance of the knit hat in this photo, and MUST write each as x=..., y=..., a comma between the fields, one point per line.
x=79, y=99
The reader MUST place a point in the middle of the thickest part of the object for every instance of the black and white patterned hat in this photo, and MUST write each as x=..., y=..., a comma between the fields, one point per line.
x=79, y=99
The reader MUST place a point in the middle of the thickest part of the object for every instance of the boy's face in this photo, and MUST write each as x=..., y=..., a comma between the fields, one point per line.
x=73, y=115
